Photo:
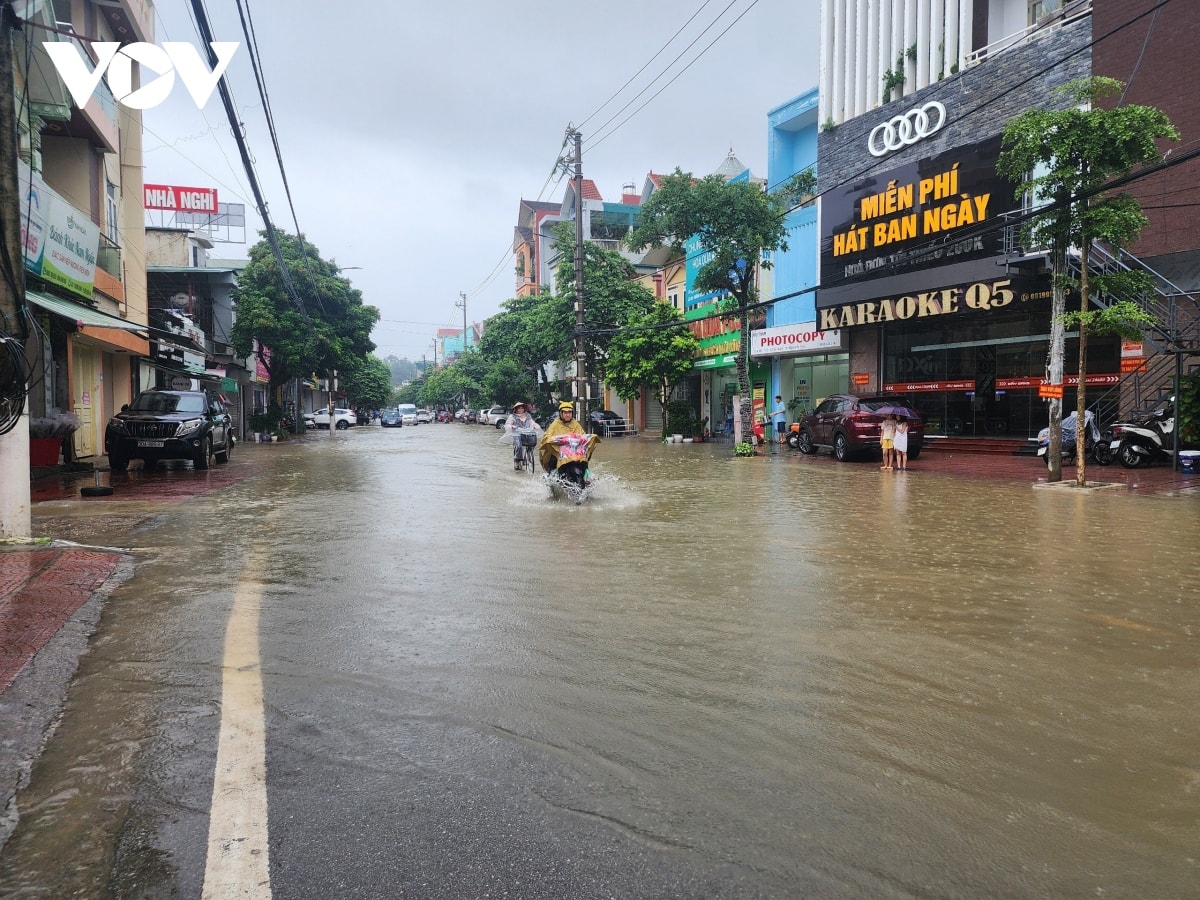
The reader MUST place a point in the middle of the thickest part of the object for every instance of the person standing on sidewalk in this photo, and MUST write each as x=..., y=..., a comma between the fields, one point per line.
x=900, y=444
x=779, y=417
x=887, y=437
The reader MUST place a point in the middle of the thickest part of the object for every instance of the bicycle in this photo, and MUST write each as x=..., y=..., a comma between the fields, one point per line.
x=526, y=459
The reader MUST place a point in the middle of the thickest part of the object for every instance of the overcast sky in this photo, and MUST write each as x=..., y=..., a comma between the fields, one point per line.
x=410, y=131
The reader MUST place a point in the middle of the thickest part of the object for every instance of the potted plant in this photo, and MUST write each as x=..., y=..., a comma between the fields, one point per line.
x=46, y=434
x=263, y=424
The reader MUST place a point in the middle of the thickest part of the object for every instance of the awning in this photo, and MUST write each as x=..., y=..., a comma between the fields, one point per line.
x=79, y=314
x=184, y=371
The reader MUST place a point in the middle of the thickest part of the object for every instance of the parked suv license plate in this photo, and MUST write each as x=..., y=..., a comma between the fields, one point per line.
x=152, y=443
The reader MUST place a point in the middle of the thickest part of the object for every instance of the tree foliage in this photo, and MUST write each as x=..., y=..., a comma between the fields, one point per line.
x=367, y=382
x=331, y=332
x=655, y=350
x=735, y=223
x=1072, y=154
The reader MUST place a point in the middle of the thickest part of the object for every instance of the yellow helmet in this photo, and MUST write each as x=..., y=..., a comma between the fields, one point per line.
x=566, y=405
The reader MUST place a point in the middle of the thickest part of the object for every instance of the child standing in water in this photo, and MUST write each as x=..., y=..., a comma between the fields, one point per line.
x=900, y=444
x=887, y=436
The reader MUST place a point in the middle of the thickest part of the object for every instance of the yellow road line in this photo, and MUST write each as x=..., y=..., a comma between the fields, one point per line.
x=238, y=861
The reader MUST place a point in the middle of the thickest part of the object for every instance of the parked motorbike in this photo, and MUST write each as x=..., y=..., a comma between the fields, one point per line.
x=1145, y=440
x=1096, y=445
x=565, y=458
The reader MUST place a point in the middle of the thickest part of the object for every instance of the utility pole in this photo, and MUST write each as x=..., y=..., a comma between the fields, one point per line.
x=580, y=354
x=463, y=304
x=434, y=346
x=15, y=502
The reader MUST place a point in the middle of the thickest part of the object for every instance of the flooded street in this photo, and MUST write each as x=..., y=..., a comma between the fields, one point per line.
x=719, y=677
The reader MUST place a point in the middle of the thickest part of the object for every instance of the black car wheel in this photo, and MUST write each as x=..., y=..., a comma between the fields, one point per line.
x=222, y=456
x=342, y=425
x=841, y=448
x=914, y=453
x=117, y=461
x=204, y=457
x=805, y=443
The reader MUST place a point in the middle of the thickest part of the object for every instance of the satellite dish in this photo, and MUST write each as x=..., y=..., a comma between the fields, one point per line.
x=180, y=301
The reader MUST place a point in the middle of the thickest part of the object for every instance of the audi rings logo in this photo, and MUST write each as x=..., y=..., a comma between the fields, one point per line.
x=905, y=130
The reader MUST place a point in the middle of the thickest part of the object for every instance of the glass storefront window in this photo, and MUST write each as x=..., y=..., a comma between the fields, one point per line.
x=985, y=350
x=810, y=379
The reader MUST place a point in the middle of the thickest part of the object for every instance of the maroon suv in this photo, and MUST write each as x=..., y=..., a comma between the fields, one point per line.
x=849, y=425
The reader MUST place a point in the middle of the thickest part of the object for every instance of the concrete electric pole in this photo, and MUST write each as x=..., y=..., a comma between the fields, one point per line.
x=463, y=304
x=580, y=354
x=15, y=502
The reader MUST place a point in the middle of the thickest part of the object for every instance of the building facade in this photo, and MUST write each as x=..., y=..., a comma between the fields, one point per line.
x=80, y=173
x=920, y=259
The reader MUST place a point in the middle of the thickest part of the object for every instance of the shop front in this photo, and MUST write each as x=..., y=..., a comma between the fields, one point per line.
x=811, y=363
x=971, y=370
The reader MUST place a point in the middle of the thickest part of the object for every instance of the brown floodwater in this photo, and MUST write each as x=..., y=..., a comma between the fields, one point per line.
x=812, y=672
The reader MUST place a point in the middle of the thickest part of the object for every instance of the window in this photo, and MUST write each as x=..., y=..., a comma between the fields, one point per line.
x=1039, y=9
x=110, y=211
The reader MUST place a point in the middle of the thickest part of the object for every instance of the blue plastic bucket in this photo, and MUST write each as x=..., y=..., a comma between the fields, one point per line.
x=1189, y=461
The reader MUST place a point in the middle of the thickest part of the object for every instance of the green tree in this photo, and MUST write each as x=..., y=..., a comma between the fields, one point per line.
x=655, y=350
x=367, y=382
x=333, y=330
x=1072, y=154
x=736, y=223
x=611, y=296
x=446, y=387
x=507, y=382
x=530, y=331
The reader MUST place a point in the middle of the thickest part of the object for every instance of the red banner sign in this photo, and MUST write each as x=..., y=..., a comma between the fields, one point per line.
x=177, y=199
x=1029, y=383
x=914, y=387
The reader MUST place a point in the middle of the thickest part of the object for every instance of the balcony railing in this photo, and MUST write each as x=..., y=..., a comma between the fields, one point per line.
x=108, y=257
x=1067, y=13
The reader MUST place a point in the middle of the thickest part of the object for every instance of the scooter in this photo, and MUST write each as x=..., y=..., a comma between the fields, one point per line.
x=1146, y=440
x=565, y=458
x=1095, y=443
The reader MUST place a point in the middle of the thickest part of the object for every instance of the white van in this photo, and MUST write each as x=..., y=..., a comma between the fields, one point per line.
x=408, y=413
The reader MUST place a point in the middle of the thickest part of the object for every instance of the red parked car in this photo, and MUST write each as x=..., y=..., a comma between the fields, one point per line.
x=849, y=425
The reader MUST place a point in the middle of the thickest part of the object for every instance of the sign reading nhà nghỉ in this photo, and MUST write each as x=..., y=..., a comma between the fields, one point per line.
x=173, y=198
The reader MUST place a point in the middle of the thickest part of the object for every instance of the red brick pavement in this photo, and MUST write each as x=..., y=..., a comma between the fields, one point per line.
x=39, y=591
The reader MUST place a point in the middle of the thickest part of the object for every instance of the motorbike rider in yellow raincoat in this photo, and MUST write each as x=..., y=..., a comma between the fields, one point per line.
x=564, y=424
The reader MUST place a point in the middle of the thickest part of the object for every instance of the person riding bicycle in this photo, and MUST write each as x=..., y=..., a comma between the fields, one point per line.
x=523, y=430
x=564, y=424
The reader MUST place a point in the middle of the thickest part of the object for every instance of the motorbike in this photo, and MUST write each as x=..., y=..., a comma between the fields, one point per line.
x=565, y=458
x=1096, y=444
x=1146, y=439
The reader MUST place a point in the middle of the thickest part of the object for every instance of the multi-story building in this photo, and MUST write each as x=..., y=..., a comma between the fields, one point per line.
x=919, y=264
x=806, y=362
x=191, y=313
x=80, y=170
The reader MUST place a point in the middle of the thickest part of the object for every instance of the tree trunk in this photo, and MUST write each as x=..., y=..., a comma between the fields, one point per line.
x=1081, y=390
x=746, y=406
